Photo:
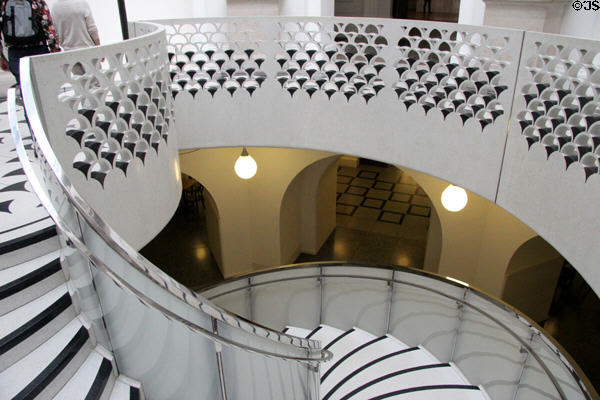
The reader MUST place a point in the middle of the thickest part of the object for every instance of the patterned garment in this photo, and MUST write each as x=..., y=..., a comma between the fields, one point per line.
x=40, y=8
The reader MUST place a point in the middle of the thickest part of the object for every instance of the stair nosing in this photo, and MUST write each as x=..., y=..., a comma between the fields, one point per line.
x=102, y=377
x=348, y=355
x=338, y=338
x=37, y=385
x=30, y=279
x=423, y=388
x=28, y=239
x=354, y=373
x=35, y=324
x=391, y=375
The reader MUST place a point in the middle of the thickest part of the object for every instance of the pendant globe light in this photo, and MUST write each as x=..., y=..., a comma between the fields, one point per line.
x=245, y=167
x=454, y=198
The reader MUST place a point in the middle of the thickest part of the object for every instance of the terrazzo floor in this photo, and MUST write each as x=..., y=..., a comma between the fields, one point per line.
x=382, y=217
x=20, y=210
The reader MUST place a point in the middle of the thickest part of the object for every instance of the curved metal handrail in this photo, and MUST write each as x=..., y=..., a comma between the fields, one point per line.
x=574, y=370
x=135, y=259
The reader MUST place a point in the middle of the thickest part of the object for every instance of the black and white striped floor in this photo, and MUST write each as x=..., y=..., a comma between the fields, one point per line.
x=47, y=350
x=365, y=366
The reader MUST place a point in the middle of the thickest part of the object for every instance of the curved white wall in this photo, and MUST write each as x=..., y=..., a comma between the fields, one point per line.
x=115, y=162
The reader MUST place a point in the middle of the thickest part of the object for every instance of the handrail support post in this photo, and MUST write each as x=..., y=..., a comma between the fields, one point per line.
x=460, y=307
x=390, y=302
x=218, y=352
x=523, y=365
x=250, y=305
x=320, y=279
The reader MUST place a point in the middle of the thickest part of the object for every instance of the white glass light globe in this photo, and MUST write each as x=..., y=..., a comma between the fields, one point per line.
x=245, y=166
x=454, y=198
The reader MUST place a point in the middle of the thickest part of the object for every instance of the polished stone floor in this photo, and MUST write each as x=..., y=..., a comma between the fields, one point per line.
x=181, y=249
x=382, y=217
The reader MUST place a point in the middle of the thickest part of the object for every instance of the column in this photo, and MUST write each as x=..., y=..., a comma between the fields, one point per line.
x=209, y=8
x=311, y=8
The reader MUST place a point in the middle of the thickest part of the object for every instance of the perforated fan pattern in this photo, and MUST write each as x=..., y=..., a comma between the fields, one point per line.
x=562, y=103
x=342, y=58
x=215, y=56
x=121, y=108
x=453, y=71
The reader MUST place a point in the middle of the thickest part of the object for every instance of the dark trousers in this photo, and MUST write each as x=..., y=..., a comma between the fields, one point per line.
x=15, y=53
x=400, y=9
x=427, y=4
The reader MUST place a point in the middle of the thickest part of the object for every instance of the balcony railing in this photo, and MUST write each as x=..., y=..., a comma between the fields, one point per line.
x=492, y=344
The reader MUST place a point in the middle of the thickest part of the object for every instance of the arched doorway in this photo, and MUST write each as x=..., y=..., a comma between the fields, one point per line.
x=382, y=216
x=183, y=248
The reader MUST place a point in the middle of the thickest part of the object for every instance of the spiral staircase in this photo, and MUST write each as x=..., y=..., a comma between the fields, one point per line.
x=46, y=348
x=82, y=313
x=367, y=366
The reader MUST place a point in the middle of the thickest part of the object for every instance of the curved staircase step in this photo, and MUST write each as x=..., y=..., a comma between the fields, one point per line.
x=27, y=327
x=92, y=381
x=364, y=356
x=24, y=282
x=446, y=392
x=295, y=331
x=429, y=375
x=345, y=344
x=126, y=389
x=365, y=366
x=46, y=369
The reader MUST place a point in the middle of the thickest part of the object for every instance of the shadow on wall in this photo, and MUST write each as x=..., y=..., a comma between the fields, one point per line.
x=307, y=211
x=531, y=278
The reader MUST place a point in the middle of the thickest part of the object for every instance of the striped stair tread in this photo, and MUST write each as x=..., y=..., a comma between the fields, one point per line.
x=30, y=375
x=19, y=277
x=368, y=367
x=368, y=355
x=17, y=325
x=126, y=389
x=90, y=380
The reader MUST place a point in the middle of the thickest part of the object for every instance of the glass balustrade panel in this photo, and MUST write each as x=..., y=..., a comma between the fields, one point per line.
x=250, y=375
x=233, y=296
x=420, y=317
x=349, y=302
x=287, y=302
x=535, y=381
x=171, y=360
x=483, y=346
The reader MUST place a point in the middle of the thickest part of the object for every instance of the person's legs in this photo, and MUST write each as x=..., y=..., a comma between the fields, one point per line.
x=427, y=6
x=16, y=53
x=13, y=62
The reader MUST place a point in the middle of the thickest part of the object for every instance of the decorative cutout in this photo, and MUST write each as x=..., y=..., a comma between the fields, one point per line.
x=215, y=56
x=333, y=58
x=562, y=102
x=121, y=108
x=452, y=71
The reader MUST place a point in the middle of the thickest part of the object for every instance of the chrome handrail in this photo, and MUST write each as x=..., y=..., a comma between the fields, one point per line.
x=119, y=245
x=576, y=375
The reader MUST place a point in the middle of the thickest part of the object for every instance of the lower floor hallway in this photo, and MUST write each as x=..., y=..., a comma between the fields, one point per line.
x=382, y=216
